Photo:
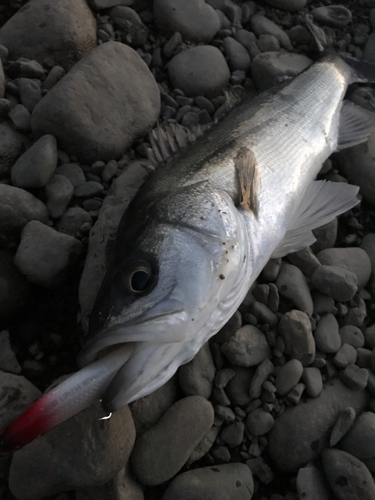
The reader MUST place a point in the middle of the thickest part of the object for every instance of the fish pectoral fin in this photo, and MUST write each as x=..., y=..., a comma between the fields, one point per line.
x=319, y=204
x=248, y=176
x=355, y=124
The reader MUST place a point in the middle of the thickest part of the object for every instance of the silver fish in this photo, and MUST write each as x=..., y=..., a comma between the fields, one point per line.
x=200, y=231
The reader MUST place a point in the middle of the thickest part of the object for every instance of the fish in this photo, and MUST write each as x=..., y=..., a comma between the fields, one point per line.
x=200, y=230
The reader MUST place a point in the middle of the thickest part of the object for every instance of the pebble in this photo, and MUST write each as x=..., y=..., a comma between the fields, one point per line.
x=302, y=431
x=292, y=285
x=335, y=282
x=237, y=388
x=54, y=76
x=363, y=357
x=59, y=192
x=200, y=70
x=162, y=450
x=296, y=393
x=270, y=68
x=305, y=260
x=368, y=245
x=345, y=356
x=344, y=422
x=295, y=329
x=11, y=145
x=224, y=413
x=73, y=172
x=8, y=360
x=263, y=314
x=352, y=335
x=259, y=422
x=263, y=26
x=348, y=477
x=205, y=445
x=30, y=92
x=311, y=484
x=127, y=21
x=107, y=100
x=238, y=57
x=290, y=6
x=223, y=376
x=14, y=290
x=312, y=378
x=17, y=208
x=261, y=374
x=327, y=337
x=333, y=15
x=72, y=220
x=354, y=377
x=360, y=438
x=172, y=47
x=195, y=20
x=36, y=166
x=232, y=434
x=88, y=189
x=26, y=68
x=218, y=482
x=247, y=347
x=353, y=259
x=92, y=450
x=288, y=376
x=46, y=256
x=325, y=235
x=356, y=313
x=196, y=377
x=20, y=117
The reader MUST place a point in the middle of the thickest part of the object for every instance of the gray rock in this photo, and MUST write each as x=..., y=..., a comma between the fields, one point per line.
x=73, y=172
x=353, y=259
x=232, y=434
x=288, y=376
x=305, y=260
x=263, y=26
x=345, y=356
x=121, y=193
x=72, y=220
x=299, y=35
x=348, y=477
x=26, y=68
x=205, y=445
x=247, y=347
x=295, y=329
x=323, y=304
x=368, y=245
x=363, y=357
x=59, y=192
x=295, y=395
x=354, y=377
x=65, y=31
x=270, y=68
x=14, y=290
x=360, y=439
x=352, y=335
x=259, y=422
x=17, y=208
x=262, y=372
x=268, y=43
x=223, y=376
x=311, y=484
x=335, y=282
x=312, y=378
x=132, y=30
x=302, y=432
x=342, y=425
x=88, y=189
x=357, y=312
x=35, y=167
x=325, y=235
x=263, y=314
x=224, y=413
x=195, y=20
x=30, y=92
x=8, y=360
x=17, y=395
x=333, y=15
x=237, y=388
x=54, y=76
x=292, y=285
x=238, y=57
x=20, y=117
x=200, y=70
x=327, y=337
x=106, y=101
x=245, y=38
x=196, y=377
x=218, y=482
x=161, y=451
x=229, y=329
x=370, y=336
x=11, y=145
x=83, y=451
x=271, y=270
x=46, y=256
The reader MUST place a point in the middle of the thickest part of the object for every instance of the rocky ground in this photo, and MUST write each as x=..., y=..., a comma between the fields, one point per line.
x=280, y=405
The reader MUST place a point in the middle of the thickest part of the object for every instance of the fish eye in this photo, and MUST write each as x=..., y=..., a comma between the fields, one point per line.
x=136, y=277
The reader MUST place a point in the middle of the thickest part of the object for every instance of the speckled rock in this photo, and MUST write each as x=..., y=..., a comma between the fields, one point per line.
x=161, y=451
x=200, y=70
x=302, y=432
x=247, y=347
x=64, y=30
x=353, y=259
x=335, y=282
x=295, y=329
x=196, y=377
x=218, y=482
x=292, y=285
x=106, y=101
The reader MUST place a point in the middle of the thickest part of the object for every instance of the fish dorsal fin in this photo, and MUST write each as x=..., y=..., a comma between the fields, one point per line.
x=168, y=138
x=319, y=204
x=354, y=126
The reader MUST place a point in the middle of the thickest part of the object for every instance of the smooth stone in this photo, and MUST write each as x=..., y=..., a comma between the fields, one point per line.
x=132, y=30
x=270, y=68
x=292, y=285
x=238, y=57
x=305, y=260
x=196, y=377
x=20, y=117
x=46, y=256
x=84, y=451
x=72, y=220
x=53, y=77
x=59, y=192
x=302, y=432
x=311, y=484
x=88, y=189
x=163, y=450
x=30, y=92
x=352, y=335
x=14, y=290
x=247, y=347
x=261, y=374
x=354, y=377
x=335, y=282
x=360, y=439
x=101, y=106
x=271, y=270
x=295, y=329
x=312, y=378
x=342, y=425
x=36, y=166
x=325, y=235
x=363, y=357
x=229, y=329
x=288, y=376
x=263, y=314
x=368, y=245
x=345, y=356
x=357, y=312
x=263, y=26
x=353, y=259
x=268, y=43
x=327, y=337
x=237, y=389
x=290, y=6
x=200, y=70
x=17, y=208
x=195, y=20
x=8, y=360
x=11, y=146
x=219, y=482
x=26, y=68
x=232, y=434
x=64, y=30
x=259, y=422
x=348, y=477
x=205, y=445
x=72, y=172
x=333, y=15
